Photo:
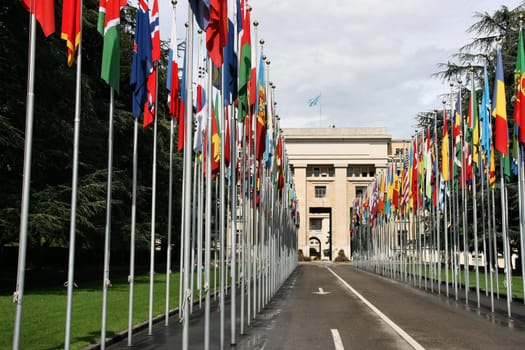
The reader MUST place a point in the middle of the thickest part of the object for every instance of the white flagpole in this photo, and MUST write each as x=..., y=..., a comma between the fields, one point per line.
x=18, y=295
x=107, y=241
x=207, y=243
x=170, y=206
x=153, y=209
x=74, y=187
x=131, y=277
x=187, y=298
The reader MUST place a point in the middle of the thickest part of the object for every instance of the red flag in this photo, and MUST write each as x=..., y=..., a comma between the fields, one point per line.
x=71, y=28
x=149, y=105
x=44, y=11
x=181, y=126
x=217, y=31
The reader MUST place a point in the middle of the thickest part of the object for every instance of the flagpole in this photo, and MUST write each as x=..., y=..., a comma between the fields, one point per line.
x=508, y=267
x=107, y=241
x=475, y=153
x=18, y=295
x=320, y=102
x=74, y=188
x=521, y=178
x=170, y=188
x=187, y=298
x=207, y=243
x=131, y=277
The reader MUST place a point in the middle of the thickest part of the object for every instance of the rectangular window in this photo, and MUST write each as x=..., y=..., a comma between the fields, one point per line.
x=316, y=172
x=320, y=191
x=360, y=190
x=316, y=224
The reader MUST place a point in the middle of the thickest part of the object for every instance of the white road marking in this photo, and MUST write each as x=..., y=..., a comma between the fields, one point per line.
x=385, y=318
x=337, y=340
x=321, y=292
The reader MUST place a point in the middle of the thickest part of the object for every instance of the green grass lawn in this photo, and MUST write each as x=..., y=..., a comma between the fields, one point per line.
x=517, y=281
x=44, y=312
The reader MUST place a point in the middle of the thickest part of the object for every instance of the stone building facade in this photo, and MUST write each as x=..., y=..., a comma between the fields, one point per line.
x=331, y=166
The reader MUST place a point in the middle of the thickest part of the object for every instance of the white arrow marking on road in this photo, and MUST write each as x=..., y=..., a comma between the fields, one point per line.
x=321, y=292
x=338, y=342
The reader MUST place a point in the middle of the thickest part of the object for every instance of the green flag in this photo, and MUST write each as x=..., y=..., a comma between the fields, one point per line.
x=109, y=26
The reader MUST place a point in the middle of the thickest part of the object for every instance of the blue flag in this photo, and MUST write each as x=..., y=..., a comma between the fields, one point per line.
x=142, y=61
x=201, y=10
x=230, y=67
x=484, y=119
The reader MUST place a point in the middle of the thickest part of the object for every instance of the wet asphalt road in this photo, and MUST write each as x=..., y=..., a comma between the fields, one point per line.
x=303, y=316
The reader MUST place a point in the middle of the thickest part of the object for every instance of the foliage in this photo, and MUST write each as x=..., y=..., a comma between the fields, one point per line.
x=51, y=166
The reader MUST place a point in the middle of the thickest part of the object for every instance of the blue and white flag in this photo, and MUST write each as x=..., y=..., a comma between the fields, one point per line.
x=314, y=101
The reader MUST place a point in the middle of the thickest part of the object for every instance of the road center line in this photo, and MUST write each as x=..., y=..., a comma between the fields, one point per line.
x=337, y=340
x=388, y=321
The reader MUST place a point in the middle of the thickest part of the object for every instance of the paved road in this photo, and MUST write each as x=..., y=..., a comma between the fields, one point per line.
x=352, y=310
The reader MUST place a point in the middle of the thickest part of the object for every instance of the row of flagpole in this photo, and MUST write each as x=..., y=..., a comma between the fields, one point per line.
x=398, y=225
x=261, y=211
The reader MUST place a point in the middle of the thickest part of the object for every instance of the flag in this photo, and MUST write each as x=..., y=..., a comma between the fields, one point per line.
x=201, y=117
x=245, y=66
x=201, y=10
x=457, y=136
x=314, y=101
x=230, y=67
x=515, y=151
x=44, y=11
x=499, y=110
x=217, y=31
x=215, y=141
x=227, y=138
x=151, y=103
x=519, y=102
x=261, y=111
x=474, y=126
x=427, y=166
x=182, y=107
x=142, y=63
x=71, y=28
x=484, y=119
x=155, y=31
x=445, y=159
x=172, y=80
x=109, y=26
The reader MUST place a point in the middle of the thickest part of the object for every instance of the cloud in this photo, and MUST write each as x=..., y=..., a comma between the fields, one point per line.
x=372, y=60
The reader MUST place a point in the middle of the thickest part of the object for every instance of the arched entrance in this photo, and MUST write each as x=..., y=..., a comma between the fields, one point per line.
x=315, y=248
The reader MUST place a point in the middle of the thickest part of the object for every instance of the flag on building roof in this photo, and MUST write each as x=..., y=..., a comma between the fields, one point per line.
x=44, y=11
x=109, y=26
x=314, y=101
x=499, y=110
x=71, y=28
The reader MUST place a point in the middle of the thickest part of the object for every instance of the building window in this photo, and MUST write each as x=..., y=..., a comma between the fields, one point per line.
x=361, y=171
x=360, y=190
x=320, y=191
x=316, y=223
x=320, y=171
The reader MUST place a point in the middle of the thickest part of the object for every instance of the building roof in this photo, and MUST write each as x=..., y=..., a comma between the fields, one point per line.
x=298, y=134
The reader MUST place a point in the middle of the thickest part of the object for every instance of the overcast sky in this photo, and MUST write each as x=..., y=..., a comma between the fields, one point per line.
x=370, y=60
